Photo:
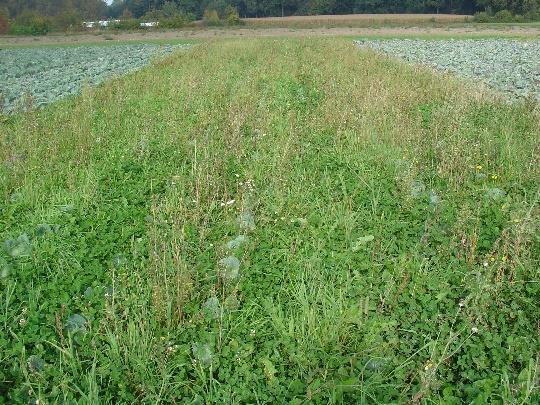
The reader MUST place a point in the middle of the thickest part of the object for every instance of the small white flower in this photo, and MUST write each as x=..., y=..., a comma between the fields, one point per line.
x=461, y=304
x=252, y=333
x=485, y=264
x=474, y=329
x=231, y=202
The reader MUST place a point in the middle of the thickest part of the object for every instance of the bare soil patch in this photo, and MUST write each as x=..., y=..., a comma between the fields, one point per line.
x=356, y=19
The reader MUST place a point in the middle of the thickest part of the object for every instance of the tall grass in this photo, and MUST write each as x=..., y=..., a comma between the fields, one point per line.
x=383, y=266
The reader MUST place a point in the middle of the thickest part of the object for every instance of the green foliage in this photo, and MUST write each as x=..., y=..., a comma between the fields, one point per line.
x=68, y=21
x=503, y=16
x=4, y=21
x=127, y=24
x=260, y=8
x=211, y=18
x=30, y=24
x=254, y=236
x=482, y=17
x=175, y=22
x=87, y=9
x=169, y=16
x=231, y=16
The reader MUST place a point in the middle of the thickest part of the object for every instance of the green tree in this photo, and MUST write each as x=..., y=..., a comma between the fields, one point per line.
x=69, y=20
x=211, y=17
x=4, y=21
x=231, y=16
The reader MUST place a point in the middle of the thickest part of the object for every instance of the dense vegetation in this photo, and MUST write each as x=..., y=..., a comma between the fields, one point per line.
x=262, y=8
x=91, y=9
x=270, y=221
x=38, y=17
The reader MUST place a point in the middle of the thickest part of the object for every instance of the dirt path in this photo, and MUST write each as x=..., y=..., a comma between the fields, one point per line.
x=468, y=31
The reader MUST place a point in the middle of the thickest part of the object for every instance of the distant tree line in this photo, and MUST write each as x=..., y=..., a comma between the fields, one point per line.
x=266, y=8
x=37, y=17
x=64, y=14
x=88, y=9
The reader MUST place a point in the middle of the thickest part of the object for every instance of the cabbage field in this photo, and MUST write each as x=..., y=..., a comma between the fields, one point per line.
x=510, y=66
x=39, y=76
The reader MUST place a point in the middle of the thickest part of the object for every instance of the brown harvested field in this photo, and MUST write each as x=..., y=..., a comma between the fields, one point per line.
x=355, y=20
x=468, y=31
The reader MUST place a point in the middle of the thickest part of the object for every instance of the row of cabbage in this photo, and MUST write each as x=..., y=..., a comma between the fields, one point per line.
x=32, y=77
x=510, y=66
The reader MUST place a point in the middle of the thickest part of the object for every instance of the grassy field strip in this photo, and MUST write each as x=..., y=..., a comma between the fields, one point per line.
x=269, y=220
